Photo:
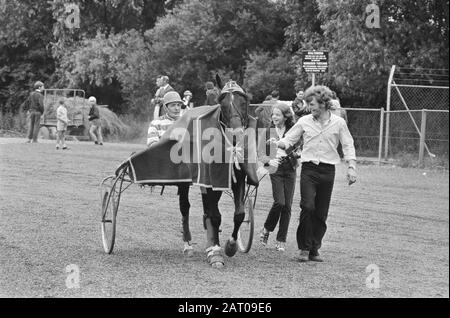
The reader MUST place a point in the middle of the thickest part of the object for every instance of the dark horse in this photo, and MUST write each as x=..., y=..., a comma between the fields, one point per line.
x=234, y=104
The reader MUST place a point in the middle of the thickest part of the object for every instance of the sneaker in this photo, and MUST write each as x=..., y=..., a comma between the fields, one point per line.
x=280, y=246
x=314, y=256
x=303, y=256
x=101, y=144
x=95, y=142
x=57, y=147
x=66, y=148
x=264, y=236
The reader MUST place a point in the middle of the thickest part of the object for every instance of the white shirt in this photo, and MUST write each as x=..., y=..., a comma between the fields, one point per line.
x=320, y=141
x=61, y=114
x=280, y=132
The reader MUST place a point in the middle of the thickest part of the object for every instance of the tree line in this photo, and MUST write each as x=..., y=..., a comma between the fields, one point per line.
x=121, y=46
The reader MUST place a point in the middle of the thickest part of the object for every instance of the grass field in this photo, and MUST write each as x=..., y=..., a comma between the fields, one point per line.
x=395, y=218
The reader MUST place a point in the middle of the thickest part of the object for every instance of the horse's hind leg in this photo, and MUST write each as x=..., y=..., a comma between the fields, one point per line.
x=183, y=192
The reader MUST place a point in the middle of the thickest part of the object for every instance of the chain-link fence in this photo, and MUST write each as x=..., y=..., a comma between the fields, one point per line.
x=404, y=97
x=405, y=139
x=417, y=113
x=366, y=127
x=414, y=134
x=421, y=132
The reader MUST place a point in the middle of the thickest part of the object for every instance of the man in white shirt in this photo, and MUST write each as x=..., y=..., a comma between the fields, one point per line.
x=322, y=131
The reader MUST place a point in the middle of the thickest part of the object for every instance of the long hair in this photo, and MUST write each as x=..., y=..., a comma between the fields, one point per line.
x=286, y=111
x=322, y=94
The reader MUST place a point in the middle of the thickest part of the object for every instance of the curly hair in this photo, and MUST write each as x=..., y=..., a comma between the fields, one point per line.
x=286, y=111
x=322, y=94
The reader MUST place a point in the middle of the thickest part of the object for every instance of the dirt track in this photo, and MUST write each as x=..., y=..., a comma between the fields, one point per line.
x=395, y=218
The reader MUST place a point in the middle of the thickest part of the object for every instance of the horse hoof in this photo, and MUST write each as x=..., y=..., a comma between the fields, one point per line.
x=230, y=248
x=215, y=258
x=217, y=265
x=188, y=251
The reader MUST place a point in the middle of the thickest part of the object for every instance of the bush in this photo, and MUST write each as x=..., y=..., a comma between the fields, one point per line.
x=16, y=123
x=136, y=131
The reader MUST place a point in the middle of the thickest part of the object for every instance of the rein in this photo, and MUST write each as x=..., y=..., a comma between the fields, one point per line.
x=234, y=111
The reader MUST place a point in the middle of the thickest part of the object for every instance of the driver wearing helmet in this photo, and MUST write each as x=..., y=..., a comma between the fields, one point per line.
x=172, y=105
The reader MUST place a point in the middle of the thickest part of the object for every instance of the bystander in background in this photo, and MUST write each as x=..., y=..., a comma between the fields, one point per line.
x=35, y=111
x=95, y=131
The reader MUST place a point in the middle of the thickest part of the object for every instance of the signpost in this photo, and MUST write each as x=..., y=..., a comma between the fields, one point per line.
x=314, y=62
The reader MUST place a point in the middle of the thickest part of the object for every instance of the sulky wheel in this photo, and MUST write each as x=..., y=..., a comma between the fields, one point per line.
x=245, y=234
x=110, y=197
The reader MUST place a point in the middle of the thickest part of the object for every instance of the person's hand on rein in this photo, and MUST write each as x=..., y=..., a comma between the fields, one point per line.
x=273, y=141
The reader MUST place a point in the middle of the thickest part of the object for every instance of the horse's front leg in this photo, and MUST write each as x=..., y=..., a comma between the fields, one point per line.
x=239, y=212
x=212, y=221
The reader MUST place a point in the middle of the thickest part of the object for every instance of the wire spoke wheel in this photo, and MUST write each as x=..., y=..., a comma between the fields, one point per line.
x=110, y=203
x=245, y=234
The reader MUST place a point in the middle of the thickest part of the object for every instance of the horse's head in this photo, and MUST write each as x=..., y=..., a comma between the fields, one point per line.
x=234, y=104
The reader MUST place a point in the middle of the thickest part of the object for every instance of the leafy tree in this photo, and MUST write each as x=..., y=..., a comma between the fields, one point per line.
x=118, y=63
x=98, y=55
x=25, y=57
x=411, y=34
x=265, y=73
x=198, y=38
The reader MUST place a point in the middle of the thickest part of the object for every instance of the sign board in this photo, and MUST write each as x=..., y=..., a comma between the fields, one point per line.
x=315, y=61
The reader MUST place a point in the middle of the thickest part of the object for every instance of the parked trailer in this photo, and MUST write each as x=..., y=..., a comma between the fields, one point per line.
x=77, y=108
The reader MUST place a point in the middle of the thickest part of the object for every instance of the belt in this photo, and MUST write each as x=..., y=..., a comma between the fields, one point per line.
x=322, y=164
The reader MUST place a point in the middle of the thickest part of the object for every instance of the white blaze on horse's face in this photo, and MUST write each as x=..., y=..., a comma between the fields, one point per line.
x=235, y=116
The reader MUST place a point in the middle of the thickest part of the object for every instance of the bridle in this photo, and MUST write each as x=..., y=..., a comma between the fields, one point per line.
x=229, y=89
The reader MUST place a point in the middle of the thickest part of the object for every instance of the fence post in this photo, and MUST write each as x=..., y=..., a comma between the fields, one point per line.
x=423, y=128
x=380, y=142
x=388, y=108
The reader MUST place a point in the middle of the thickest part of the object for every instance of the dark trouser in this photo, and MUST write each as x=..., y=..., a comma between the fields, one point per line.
x=183, y=193
x=34, y=125
x=283, y=187
x=316, y=186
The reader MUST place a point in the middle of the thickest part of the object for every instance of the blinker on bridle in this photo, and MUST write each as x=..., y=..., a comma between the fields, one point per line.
x=230, y=88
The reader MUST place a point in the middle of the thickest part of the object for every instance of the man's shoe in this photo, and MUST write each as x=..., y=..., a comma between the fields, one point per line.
x=57, y=147
x=101, y=144
x=95, y=142
x=280, y=246
x=264, y=236
x=303, y=256
x=66, y=148
x=315, y=257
